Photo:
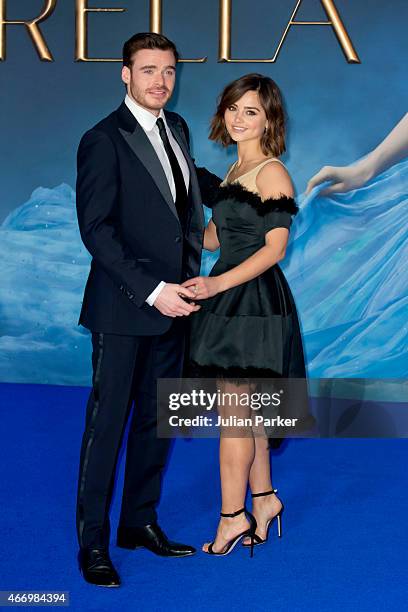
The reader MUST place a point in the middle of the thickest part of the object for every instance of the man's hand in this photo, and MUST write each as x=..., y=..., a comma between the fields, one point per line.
x=203, y=287
x=169, y=302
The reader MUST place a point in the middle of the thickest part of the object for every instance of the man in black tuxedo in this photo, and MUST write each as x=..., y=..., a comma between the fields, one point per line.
x=140, y=216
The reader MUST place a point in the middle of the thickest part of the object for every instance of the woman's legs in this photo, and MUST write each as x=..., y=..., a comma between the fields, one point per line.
x=236, y=457
x=263, y=508
x=260, y=474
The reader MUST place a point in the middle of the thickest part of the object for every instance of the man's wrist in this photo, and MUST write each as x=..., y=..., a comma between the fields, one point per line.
x=154, y=294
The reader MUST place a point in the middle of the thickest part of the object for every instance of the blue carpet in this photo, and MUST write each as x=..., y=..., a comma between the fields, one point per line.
x=344, y=528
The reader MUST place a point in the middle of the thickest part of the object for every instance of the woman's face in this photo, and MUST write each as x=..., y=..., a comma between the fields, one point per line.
x=246, y=119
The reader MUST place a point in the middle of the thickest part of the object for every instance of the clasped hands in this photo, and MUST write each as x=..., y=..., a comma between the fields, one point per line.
x=203, y=287
x=170, y=300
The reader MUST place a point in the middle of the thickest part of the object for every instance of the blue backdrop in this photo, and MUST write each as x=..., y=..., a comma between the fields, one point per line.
x=347, y=258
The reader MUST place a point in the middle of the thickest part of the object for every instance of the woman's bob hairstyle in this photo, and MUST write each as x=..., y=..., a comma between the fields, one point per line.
x=273, y=139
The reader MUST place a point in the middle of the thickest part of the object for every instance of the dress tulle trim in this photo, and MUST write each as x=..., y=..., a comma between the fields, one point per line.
x=216, y=371
x=238, y=192
x=196, y=370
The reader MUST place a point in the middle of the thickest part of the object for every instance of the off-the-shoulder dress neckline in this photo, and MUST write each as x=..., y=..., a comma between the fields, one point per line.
x=265, y=161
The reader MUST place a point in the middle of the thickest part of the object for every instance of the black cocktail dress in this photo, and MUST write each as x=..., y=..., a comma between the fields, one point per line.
x=251, y=330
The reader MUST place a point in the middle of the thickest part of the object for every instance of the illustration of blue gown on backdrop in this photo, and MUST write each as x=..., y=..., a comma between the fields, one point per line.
x=348, y=275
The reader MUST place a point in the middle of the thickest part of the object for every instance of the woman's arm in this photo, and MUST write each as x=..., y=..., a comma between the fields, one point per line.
x=210, y=237
x=346, y=178
x=266, y=257
x=273, y=181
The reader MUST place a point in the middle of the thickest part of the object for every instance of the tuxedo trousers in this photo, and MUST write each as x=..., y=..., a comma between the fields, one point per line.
x=124, y=387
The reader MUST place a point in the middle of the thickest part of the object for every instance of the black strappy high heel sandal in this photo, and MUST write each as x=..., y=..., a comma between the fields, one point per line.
x=232, y=543
x=278, y=517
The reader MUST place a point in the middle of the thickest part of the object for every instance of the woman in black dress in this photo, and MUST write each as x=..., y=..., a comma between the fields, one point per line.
x=247, y=325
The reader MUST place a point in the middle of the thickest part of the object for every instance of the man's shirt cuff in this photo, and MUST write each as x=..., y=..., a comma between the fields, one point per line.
x=151, y=298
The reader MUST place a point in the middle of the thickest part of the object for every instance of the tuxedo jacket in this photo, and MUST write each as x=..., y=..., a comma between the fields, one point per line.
x=129, y=223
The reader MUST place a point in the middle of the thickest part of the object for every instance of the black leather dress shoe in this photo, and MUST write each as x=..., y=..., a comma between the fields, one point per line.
x=153, y=538
x=97, y=568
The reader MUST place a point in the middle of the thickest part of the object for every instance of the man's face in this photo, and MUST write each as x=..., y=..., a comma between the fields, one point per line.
x=151, y=78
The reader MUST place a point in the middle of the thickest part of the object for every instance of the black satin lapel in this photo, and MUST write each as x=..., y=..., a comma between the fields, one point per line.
x=142, y=147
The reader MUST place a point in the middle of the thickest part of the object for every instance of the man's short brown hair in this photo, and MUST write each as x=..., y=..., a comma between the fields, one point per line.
x=146, y=40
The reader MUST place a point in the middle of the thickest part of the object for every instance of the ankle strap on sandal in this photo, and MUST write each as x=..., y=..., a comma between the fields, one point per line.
x=233, y=513
x=264, y=493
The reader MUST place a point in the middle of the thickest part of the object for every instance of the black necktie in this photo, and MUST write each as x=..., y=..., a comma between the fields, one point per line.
x=181, y=192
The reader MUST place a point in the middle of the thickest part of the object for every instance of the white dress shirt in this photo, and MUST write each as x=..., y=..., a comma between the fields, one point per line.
x=147, y=121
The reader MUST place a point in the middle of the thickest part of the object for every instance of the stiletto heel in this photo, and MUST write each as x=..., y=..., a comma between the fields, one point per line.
x=278, y=517
x=251, y=531
x=279, y=521
x=232, y=543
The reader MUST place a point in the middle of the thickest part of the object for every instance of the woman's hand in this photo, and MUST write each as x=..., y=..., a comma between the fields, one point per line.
x=203, y=287
x=391, y=150
x=343, y=178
